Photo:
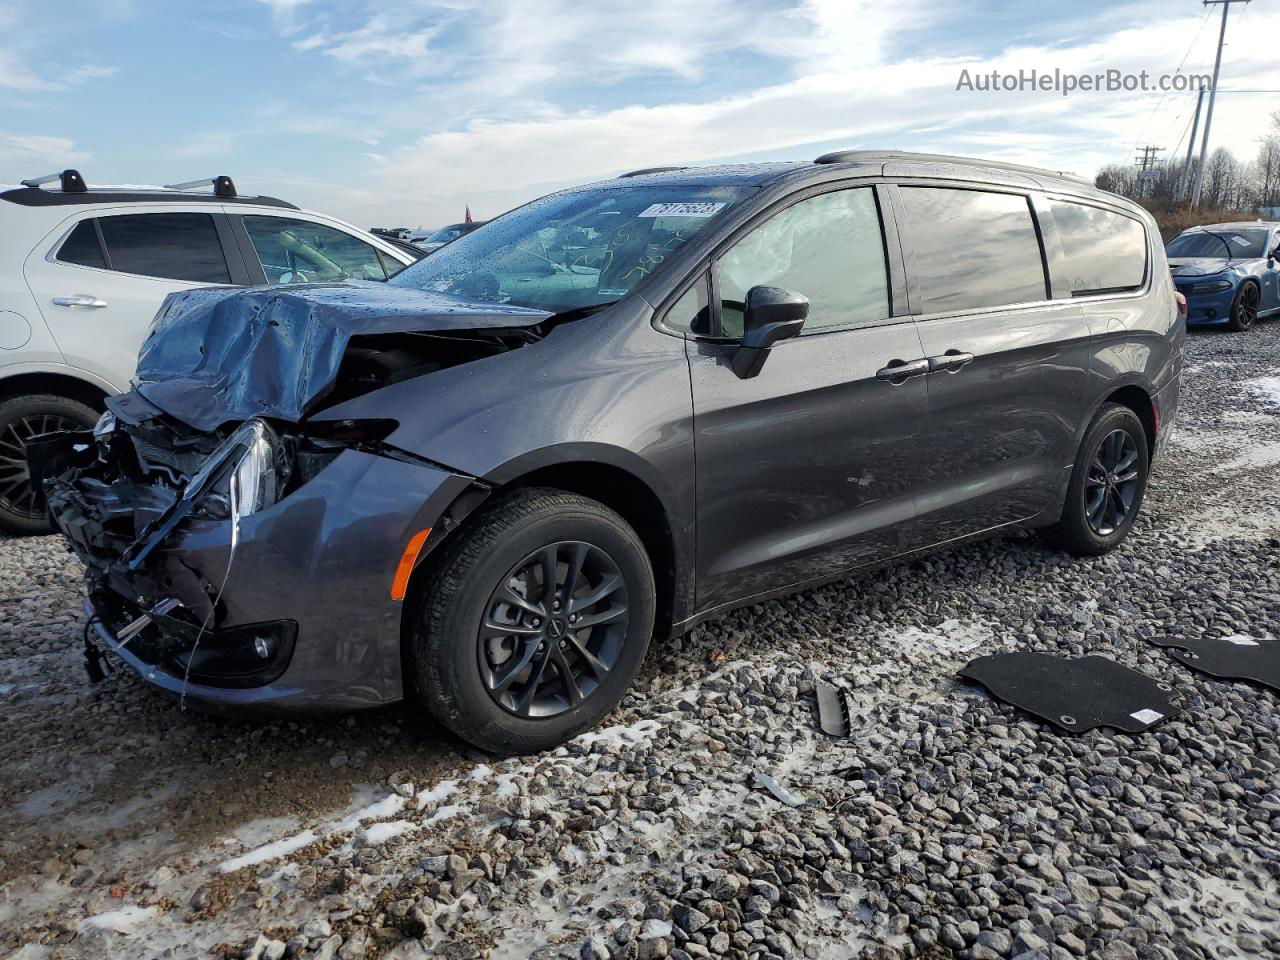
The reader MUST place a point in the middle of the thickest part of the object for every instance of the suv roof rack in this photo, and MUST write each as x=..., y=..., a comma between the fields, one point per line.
x=71, y=181
x=222, y=186
x=76, y=191
x=641, y=172
x=853, y=156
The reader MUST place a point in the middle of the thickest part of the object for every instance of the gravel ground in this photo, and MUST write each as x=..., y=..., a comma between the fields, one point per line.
x=947, y=824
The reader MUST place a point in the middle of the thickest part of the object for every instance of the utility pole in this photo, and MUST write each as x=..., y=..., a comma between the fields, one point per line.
x=1146, y=161
x=1191, y=147
x=1213, y=94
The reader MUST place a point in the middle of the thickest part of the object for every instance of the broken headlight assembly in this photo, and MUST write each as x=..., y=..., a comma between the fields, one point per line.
x=241, y=477
x=257, y=466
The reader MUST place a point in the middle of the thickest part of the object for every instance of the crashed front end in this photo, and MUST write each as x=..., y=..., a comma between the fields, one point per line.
x=254, y=565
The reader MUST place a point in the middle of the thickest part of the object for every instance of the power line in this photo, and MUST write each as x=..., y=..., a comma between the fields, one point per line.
x=1159, y=103
x=1213, y=95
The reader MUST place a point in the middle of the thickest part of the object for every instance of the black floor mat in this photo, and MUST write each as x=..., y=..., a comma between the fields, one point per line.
x=1229, y=658
x=1075, y=695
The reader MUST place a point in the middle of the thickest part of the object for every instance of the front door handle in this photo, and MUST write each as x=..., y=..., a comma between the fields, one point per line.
x=951, y=361
x=79, y=300
x=899, y=371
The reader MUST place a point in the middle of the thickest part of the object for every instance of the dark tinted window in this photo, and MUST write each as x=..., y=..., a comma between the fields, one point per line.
x=175, y=246
x=972, y=249
x=829, y=248
x=1104, y=251
x=82, y=246
x=1221, y=243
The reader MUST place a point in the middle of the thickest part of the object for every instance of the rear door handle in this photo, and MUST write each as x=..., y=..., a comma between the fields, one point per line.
x=79, y=300
x=900, y=370
x=951, y=361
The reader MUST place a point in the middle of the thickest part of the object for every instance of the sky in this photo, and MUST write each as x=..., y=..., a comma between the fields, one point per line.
x=405, y=113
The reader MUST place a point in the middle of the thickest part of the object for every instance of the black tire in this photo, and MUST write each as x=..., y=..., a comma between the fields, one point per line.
x=453, y=667
x=22, y=509
x=1244, y=308
x=1090, y=527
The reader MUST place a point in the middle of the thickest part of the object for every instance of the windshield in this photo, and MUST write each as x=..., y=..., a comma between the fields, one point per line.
x=571, y=250
x=1219, y=244
x=444, y=235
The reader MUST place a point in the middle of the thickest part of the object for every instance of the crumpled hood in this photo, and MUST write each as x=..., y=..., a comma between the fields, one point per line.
x=219, y=354
x=1197, y=266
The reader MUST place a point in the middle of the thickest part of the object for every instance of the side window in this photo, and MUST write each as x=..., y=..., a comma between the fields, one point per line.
x=1105, y=252
x=82, y=247
x=299, y=251
x=972, y=249
x=390, y=265
x=692, y=312
x=829, y=248
x=173, y=246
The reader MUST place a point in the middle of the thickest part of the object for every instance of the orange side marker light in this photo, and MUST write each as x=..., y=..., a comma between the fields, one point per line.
x=407, y=560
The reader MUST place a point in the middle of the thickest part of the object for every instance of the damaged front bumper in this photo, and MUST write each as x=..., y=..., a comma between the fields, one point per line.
x=289, y=607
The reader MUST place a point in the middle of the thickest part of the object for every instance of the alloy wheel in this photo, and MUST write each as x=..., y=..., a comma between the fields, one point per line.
x=17, y=494
x=553, y=629
x=1112, y=483
x=1248, y=305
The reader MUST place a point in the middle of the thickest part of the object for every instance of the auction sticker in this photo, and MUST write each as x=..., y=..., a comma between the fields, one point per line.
x=691, y=209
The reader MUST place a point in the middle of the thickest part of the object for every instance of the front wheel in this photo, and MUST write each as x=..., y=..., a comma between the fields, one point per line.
x=1244, y=308
x=1107, y=485
x=533, y=621
x=22, y=506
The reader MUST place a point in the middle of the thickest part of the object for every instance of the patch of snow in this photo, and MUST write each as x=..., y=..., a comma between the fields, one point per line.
x=444, y=813
x=125, y=920
x=382, y=832
x=437, y=793
x=269, y=851
x=1266, y=387
x=388, y=806
x=639, y=732
x=1252, y=457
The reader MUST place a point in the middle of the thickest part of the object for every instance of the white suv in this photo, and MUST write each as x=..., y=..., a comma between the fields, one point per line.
x=84, y=270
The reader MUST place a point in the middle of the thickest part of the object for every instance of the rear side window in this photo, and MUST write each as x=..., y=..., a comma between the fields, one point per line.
x=829, y=248
x=299, y=251
x=173, y=246
x=1104, y=252
x=82, y=247
x=973, y=249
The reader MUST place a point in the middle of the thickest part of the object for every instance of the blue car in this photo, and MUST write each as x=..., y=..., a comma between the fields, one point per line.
x=1228, y=272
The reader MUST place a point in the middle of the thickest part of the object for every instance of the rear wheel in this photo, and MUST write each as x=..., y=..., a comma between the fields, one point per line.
x=1107, y=485
x=1244, y=309
x=22, y=507
x=534, y=621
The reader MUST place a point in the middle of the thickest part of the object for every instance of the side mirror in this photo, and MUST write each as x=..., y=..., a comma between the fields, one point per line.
x=771, y=316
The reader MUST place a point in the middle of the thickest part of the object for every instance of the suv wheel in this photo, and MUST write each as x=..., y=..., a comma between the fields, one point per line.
x=22, y=507
x=1107, y=485
x=533, y=622
x=1244, y=309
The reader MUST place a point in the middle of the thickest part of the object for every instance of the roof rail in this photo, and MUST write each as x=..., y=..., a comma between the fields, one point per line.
x=854, y=156
x=643, y=171
x=70, y=180
x=222, y=186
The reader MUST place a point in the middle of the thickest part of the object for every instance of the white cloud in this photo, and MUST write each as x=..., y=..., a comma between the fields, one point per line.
x=381, y=38
x=508, y=112
x=31, y=155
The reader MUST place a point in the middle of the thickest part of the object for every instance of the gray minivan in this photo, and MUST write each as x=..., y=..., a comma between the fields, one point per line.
x=616, y=411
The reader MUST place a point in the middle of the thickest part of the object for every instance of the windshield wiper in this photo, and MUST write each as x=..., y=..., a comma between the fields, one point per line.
x=1224, y=242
